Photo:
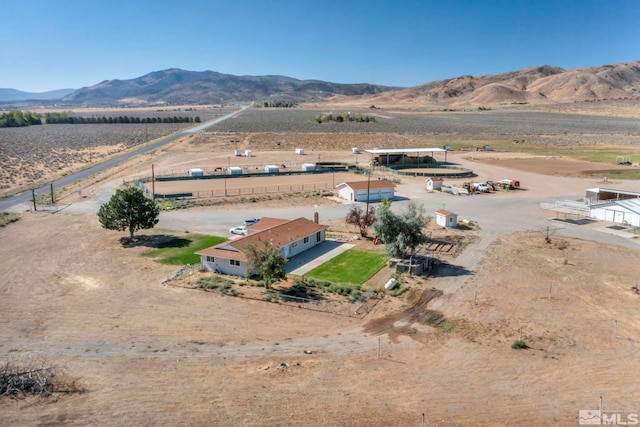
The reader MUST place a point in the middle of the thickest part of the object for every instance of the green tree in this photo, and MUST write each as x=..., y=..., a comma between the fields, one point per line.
x=361, y=219
x=267, y=260
x=401, y=234
x=129, y=209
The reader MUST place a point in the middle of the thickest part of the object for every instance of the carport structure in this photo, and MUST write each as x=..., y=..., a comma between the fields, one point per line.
x=387, y=153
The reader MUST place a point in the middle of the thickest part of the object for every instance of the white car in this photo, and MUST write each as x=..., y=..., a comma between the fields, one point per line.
x=238, y=230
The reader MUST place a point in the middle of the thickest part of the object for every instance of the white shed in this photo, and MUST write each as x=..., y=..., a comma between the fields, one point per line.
x=434, y=183
x=238, y=152
x=445, y=218
x=247, y=153
x=196, y=172
x=300, y=151
x=271, y=169
x=235, y=170
x=308, y=167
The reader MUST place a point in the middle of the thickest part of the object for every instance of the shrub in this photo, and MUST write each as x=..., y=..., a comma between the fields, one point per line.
x=519, y=344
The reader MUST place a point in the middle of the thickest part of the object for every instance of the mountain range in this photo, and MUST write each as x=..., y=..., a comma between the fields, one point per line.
x=537, y=85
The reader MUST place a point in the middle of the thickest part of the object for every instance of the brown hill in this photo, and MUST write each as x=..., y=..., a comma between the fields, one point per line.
x=536, y=85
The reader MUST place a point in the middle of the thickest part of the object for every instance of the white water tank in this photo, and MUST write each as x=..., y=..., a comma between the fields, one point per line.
x=391, y=284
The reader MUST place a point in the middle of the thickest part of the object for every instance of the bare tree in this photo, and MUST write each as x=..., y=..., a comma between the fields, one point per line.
x=361, y=219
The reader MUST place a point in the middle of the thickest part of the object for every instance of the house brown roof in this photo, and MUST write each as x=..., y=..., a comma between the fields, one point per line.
x=444, y=212
x=280, y=234
x=374, y=183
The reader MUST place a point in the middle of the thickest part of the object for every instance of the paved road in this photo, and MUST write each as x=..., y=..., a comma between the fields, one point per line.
x=11, y=203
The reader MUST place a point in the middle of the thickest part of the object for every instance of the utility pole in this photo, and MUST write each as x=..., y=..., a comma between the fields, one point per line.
x=33, y=194
x=52, y=200
x=368, y=191
x=153, y=183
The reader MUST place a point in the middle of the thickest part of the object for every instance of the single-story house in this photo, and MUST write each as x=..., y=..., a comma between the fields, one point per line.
x=356, y=191
x=445, y=218
x=291, y=237
x=434, y=183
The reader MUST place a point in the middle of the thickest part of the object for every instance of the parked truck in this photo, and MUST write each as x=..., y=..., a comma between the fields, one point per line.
x=509, y=184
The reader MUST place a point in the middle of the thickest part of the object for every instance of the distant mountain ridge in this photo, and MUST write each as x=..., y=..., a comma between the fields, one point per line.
x=536, y=85
x=8, y=95
x=176, y=86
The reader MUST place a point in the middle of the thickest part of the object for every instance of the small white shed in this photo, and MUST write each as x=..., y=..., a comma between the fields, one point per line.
x=235, y=170
x=300, y=151
x=434, y=183
x=308, y=167
x=271, y=169
x=238, y=152
x=445, y=218
x=248, y=153
x=196, y=172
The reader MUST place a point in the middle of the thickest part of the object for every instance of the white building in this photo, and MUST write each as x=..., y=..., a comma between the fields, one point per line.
x=626, y=212
x=445, y=218
x=291, y=237
x=434, y=184
x=378, y=189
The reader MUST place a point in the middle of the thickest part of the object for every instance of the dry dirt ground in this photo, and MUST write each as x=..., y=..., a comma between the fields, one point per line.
x=152, y=354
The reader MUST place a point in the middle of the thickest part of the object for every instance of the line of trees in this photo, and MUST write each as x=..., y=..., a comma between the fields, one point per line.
x=17, y=118
x=344, y=117
x=66, y=118
x=279, y=104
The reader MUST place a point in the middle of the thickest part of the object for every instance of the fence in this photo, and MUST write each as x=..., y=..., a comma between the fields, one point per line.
x=250, y=191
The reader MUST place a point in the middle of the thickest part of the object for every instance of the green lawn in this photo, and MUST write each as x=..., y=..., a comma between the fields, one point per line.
x=181, y=250
x=352, y=266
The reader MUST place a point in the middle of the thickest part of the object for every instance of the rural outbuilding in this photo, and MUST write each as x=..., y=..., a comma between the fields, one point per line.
x=624, y=211
x=291, y=237
x=308, y=167
x=445, y=218
x=235, y=170
x=271, y=169
x=196, y=172
x=372, y=190
x=434, y=184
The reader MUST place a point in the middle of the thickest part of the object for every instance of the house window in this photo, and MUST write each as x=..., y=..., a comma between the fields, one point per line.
x=234, y=262
x=210, y=259
x=306, y=239
x=318, y=236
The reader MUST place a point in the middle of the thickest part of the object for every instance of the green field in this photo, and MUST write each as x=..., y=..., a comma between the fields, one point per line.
x=181, y=250
x=353, y=266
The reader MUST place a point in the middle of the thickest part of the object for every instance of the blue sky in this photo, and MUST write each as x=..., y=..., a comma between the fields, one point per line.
x=51, y=45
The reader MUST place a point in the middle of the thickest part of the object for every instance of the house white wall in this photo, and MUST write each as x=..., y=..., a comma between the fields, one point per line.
x=224, y=265
x=301, y=245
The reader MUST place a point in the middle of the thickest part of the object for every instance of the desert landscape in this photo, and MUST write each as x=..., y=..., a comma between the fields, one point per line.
x=146, y=352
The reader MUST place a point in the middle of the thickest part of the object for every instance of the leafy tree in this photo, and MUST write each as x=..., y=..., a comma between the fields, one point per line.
x=361, y=219
x=267, y=260
x=129, y=209
x=402, y=233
